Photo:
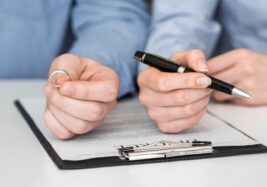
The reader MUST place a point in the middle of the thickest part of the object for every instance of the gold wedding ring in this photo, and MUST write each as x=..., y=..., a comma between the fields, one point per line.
x=58, y=77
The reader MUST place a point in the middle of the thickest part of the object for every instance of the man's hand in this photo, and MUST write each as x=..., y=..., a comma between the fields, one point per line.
x=176, y=101
x=81, y=104
x=245, y=69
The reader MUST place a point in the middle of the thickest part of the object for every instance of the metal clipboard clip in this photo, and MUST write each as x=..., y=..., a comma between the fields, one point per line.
x=164, y=149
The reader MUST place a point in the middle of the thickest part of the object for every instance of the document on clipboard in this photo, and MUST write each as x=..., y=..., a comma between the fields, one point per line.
x=129, y=136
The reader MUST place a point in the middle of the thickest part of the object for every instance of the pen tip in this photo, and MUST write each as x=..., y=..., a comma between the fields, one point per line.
x=240, y=93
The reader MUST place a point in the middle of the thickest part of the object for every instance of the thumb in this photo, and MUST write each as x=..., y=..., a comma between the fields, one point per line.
x=194, y=59
x=65, y=68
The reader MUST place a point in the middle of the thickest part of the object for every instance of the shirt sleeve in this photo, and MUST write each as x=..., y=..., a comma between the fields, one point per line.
x=110, y=32
x=181, y=25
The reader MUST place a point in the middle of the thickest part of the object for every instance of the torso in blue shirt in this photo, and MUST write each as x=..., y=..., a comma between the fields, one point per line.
x=244, y=25
x=31, y=35
x=215, y=26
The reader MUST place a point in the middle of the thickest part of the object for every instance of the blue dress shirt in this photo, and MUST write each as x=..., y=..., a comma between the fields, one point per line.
x=215, y=26
x=34, y=32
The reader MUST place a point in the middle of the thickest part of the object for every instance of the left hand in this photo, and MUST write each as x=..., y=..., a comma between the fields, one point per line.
x=245, y=69
x=79, y=105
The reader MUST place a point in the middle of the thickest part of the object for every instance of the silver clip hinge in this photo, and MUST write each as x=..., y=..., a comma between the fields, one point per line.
x=165, y=149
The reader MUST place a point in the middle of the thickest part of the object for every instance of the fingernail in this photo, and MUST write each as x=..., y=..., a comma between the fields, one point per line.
x=203, y=81
x=67, y=90
x=202, y=66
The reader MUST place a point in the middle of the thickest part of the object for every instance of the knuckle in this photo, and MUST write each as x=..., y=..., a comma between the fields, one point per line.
x=57, y=101
x=46, y=91
x=169, y=127
x=141, y=78
x=111, y=92
x=189, y=124
x=62, y=105
x=177, y=55
x=143, y=98
x=196, y=53
x=189, y=110
x=80, y=127
x=248, y=70
x=243, y=52
x=97, y=112
x=63, y=135
x=186, y=124
x=46, y=114
x=180, y=98
x=161, y=83
x=164, y=128
x=60, y=134
x=54, y=101
x=153, y=114
x=188, y=80
x=113, y=105
x=193, y=121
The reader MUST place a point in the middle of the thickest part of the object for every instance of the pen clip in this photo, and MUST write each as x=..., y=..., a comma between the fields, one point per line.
x=164, y=149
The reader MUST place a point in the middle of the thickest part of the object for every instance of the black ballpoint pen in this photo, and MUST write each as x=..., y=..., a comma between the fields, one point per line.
x=167, y=65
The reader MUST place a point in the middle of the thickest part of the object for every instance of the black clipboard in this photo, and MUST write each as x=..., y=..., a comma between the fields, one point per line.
x=116, y=161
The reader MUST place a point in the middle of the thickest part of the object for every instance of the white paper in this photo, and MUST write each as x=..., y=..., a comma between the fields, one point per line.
x=129, y=124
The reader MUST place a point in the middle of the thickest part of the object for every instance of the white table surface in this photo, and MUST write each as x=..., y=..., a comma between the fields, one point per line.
x=24, y=162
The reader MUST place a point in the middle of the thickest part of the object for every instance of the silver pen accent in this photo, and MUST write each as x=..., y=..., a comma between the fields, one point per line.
x=240, y=93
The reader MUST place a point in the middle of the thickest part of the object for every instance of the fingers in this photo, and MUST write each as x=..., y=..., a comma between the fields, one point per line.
x=194, y=59
x=93, y=81
x=230, y=75
x=55, y=127
x=82, y=100
x=72, y=64
x=162, y=81
x=166, y=114
x=180, y=125
x=226, y=60
x=104, y=90
x=182, y=97
x=83, y=69
x=85, y=110
x=176, y=98
x=73, y=124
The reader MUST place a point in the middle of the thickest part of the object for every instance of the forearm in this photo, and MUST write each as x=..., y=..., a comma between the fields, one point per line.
x=183, y=24
x=113, y=37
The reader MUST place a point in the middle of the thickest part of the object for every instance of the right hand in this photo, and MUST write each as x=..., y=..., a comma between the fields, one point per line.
x=80, y=105
x=176, y=101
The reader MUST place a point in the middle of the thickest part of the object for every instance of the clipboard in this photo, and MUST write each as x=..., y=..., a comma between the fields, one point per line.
x=166, y=151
